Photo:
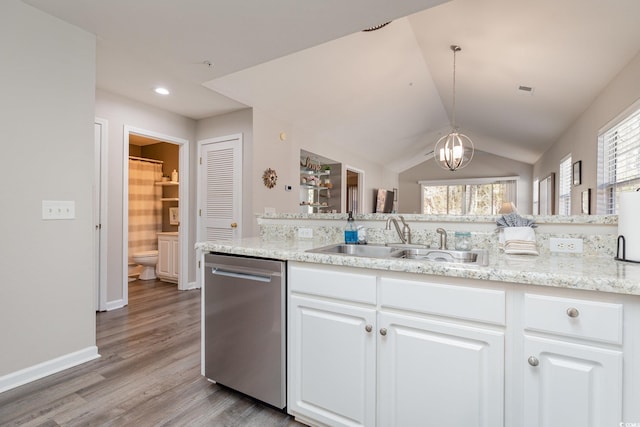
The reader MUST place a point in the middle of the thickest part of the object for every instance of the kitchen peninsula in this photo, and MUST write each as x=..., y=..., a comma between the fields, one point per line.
x=523, y=341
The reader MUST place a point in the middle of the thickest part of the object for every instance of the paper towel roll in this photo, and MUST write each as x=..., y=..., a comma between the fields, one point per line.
x=629, y=225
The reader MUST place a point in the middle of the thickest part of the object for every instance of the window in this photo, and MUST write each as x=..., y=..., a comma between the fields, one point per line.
x=483, y=196
x=564, y=187
x=536, y=196
x=619, y=161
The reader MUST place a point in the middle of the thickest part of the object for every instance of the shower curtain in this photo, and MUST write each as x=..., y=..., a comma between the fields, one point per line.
x=145, y=206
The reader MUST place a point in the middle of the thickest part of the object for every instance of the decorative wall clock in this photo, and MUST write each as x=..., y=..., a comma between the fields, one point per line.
x=269, y=177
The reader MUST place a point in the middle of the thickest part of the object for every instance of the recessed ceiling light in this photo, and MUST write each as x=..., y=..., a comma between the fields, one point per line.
x=161, y=91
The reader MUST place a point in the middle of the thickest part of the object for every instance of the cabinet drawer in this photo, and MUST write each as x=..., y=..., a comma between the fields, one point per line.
x=485, y=305
x=592, y=320
x=333, y=284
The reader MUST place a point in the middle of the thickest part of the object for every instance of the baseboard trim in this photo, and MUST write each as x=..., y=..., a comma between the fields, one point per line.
x=191, y=285
x=41, y=370
x=114, y=305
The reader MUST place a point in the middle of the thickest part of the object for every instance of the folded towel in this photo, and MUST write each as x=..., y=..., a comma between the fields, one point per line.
x=520, y=240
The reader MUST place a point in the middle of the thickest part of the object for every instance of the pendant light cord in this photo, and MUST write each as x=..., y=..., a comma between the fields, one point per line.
x=454, y=48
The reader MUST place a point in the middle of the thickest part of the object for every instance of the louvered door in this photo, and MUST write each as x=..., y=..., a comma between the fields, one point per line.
x=220, y=186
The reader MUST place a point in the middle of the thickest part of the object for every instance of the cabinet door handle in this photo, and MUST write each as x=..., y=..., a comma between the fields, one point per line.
x=383, y=331
x=368, y=328
x=234, y=225
x=533, y=361
x=573, y=312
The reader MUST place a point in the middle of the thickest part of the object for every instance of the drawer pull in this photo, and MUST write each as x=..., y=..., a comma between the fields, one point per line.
x=533, y=361
x=383, y=331
x=573, y=312
x=368, y=328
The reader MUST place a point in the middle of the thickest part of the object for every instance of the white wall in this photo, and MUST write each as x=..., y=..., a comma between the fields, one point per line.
x=581, y=139
x=121, y=111
x=47, y=82
x=263, y=148
x=231, y=124
x=482, y=165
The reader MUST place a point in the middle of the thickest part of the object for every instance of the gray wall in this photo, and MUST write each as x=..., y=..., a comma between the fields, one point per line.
x=121, y=111
x=47, y=82
x=482, y=165
x=581, y=139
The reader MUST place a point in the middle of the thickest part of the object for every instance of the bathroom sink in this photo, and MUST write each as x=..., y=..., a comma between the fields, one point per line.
x=371, y=251
x=476, y=256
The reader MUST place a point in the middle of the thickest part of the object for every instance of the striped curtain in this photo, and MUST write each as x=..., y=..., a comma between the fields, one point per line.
x=145, y=206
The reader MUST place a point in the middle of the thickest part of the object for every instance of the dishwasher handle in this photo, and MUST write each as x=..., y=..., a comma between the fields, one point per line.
x=241, y=275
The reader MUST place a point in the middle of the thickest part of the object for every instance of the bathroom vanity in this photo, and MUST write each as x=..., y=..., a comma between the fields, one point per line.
x=168, y=256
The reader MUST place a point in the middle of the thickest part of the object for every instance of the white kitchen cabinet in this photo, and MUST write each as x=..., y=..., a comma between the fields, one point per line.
x=436, y=373
x=332, y=362
x=168, y=257
x=568, y=384
x=572, y=362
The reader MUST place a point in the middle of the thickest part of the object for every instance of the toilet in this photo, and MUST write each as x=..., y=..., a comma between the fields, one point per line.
x=148, y=261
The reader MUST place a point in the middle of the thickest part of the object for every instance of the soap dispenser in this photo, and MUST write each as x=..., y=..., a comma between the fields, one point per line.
x=351, y=231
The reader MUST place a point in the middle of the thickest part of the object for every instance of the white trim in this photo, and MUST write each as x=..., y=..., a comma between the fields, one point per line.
x=620, y=117
x=183, y=195
x=114, y=305
x=49, y=367
x=488, y=180
x=361, y=192
x=201, y=143
x=101, y=296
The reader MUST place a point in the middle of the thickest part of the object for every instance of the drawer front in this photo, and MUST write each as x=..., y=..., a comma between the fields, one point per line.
x=333, y=284
x=578, y=318
x=485, y=305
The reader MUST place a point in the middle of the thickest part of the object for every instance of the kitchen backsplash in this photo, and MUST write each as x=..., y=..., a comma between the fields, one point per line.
x=599, y=233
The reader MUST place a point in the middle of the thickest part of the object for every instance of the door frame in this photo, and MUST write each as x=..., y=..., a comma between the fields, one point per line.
x=100, y=203
x=183, y=195
x=201, y=143
x=361, y=192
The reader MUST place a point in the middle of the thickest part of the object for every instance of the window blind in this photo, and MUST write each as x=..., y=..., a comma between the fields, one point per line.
x=564, y=186
x=621, y=159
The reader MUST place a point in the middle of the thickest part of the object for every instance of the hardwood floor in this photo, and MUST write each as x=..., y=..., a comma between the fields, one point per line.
x=148, y=375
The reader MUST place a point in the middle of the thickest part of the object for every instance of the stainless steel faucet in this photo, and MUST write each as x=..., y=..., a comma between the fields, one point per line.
x=405, y=234
x=443, y=238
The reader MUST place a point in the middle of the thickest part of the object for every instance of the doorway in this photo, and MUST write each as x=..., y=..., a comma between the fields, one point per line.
x=354, y=191
x=176, y=218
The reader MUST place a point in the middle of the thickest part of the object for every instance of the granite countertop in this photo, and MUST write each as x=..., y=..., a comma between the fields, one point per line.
x=563, y=271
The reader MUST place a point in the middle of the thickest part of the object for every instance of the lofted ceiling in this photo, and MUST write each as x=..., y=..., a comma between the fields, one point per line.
x=385, y=94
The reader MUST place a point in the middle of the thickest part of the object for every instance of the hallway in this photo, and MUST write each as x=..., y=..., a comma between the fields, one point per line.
x=148, y=375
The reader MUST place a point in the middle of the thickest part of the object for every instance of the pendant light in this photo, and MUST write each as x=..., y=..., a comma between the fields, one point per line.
x=455, y=150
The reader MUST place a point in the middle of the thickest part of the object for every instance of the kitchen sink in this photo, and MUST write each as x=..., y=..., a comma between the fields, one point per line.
x=417, y=252
x=371, y=251
x=476, y=256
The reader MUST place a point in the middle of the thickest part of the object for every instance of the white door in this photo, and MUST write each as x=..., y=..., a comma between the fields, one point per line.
x=332, y=362
x=220, y=188
x=432, y=373
x=568, y=384
x=100, y=212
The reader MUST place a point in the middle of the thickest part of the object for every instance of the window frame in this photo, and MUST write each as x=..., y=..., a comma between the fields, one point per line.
x=565, y=180
x=607, y=191
x=464, y=182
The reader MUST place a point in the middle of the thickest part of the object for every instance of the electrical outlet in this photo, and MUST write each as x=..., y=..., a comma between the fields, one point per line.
x=305, y=233
x=567, y=245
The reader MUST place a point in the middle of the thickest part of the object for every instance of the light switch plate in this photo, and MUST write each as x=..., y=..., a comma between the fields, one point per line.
x=58, y=209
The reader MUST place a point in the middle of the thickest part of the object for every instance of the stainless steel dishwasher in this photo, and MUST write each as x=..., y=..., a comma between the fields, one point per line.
x=244, y=325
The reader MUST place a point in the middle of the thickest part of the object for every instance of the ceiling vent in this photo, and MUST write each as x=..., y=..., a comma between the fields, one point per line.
x=525, y=90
